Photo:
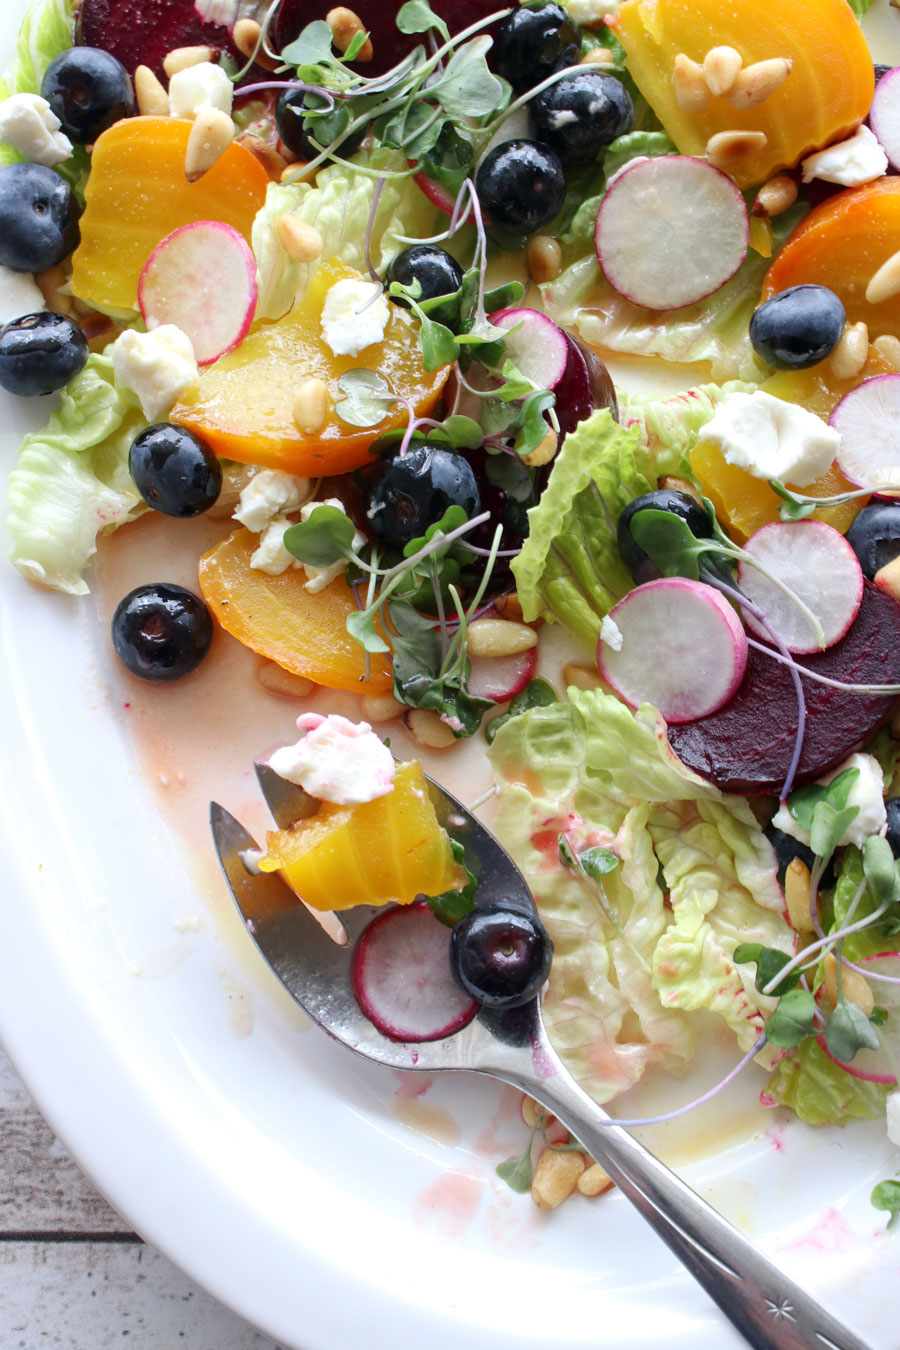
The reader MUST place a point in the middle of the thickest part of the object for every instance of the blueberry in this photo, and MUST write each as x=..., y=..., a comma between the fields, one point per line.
x=437, y=273
x=39, y=353
x=161, y=632
x=500, y=956
x=88, y=90
x=38, y=219
x=405, y=494
x=296, y=127
x=534, y=42
x=175, y=471
x=798, y=327
x=521, y=185
x=581, y=114
x=892, y=807
x=874, y=536
x=663, y=499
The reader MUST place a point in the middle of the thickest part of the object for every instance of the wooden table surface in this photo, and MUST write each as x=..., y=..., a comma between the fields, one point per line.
x=72, y=1273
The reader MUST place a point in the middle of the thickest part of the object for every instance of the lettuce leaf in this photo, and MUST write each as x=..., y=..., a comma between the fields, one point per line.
x=72, y=480
x=819, y=1091
x=338, y=206
x=860, y=7
x=621, y=993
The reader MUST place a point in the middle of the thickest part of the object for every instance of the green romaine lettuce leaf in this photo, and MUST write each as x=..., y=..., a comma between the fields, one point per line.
x=620, y=993
x=860, y=7
x=72, y=480
x=338, y=206
x=820, y=1091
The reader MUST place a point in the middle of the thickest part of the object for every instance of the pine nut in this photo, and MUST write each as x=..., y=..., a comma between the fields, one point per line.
x=542, y=454
x=889, y=347
x=691, y=90
x=273, y=163
x=499, y=637
x=851, y=353
x=246, y=34
x=345, y=25
x=555, y=1177
x=855, y=986
x=721, y=67
x=426, y=727
x=775, y=196
x=758, y=82
x=300, y=241
x=675, y=484
x=796, y=896
x=212, y=131
x=728, y=148
x=530, y=1110
x=152, y=99
x=885, y=283
x=181, y=58
x=594, y=1181
x=543, y=255
x=312, y=404
x=597, y=56
x=381, y=708
x=509, y=607
x=296, y=173
x=887, y=578
x=583, y=677
x=276, y=680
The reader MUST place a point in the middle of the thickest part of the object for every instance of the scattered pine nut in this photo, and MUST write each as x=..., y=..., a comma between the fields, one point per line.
x=727, y=148
x=855, y=986
x=499, y=637
x=530, y=1110
x=426, y=727
x=300, y=241
x=555, y=1177
x=276, y=680
x=344, y=25
x=673, y=483
x=152, y=99
x=594, y=1181
x=852, y=351
x=246, y=34
x=887, y=578
x=543, y=254
x=312, y=404
x=796, y=896
x=273, y=162
x=542, y=454
x=754, y=84
x=888, y=346
x=509, y=607
x=775, y=196
x=381, y=708
x=181, y=58
x=583, y=677
x=691, y=90
x=721, y=67
x=597, y=56
x=295, y=173
x=212, y=131
x=885, y=283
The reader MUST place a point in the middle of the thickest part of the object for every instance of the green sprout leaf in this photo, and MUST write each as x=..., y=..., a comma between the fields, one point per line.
x=361, y=626
x=803, y=802
x=468, y=88
x=518, y=1173
x=417, y=16
x=532, y=426
x=451, y=906
x=849, y=1030
x=793, y=1020
x=598, y=862
x=769, y=962
x=312, y=47
x=367, y=398
x=453, y=517
x=886, y=1196
x=536, y=694
x=828, y=827
x=879, y=867
x=325, y=538
x=669, y=542
x=464, y=433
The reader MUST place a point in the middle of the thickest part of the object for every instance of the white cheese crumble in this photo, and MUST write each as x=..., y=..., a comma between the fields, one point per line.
x=337, y=760
x=611, y=634
x=198, y=87
x=850, y=163
x=317, y=578
x=19, y=294
x=772, y=438
x=157, y=366
x=270, y=493
x=271, y=556
x=867, y=793
x=29, y=125
x=589, y=13
x=347, y=327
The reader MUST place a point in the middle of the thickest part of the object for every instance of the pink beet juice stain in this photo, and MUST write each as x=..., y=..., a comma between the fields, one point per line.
x=450, y=1205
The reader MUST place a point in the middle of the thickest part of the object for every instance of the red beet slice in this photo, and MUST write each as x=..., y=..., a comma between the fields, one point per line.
x=142, y=32
x=746, y=746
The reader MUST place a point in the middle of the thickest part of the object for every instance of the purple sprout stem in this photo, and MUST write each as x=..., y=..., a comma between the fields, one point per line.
x=370, y=225
x=316, y=89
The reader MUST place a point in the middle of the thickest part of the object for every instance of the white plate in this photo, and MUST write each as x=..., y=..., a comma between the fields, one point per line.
x=329, y=1202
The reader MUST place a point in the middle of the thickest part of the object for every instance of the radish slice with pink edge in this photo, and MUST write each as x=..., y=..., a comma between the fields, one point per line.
x=683, y=648
x=202, y=278
x=876, y=1066
x=537, y=347
x=501, y=677
x=819, y=567
x=884, y=115
x=401, y=976
x=670, y=231
x=868, y=419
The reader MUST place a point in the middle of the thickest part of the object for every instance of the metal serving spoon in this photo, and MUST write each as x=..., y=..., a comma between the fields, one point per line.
x=767, y=1308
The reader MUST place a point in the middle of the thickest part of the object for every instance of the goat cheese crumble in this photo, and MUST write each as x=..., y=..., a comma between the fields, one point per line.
x=336, y=760
x=867, y=793
x=351, y=319
x=28, y=123
x=772, y=438
x=157, y=366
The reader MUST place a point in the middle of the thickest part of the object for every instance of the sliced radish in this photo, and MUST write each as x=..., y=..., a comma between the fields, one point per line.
x=538, y=348
x=868, y=419
x=683, y=648
x=877, y=1066
x=819, y=566
x=501, y=677
x=884, y=115
x=436, y=193
x=202, y=277
x=670, y=231
x=401, y=976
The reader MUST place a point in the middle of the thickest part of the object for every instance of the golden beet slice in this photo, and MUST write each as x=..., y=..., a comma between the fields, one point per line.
x=137, y=193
